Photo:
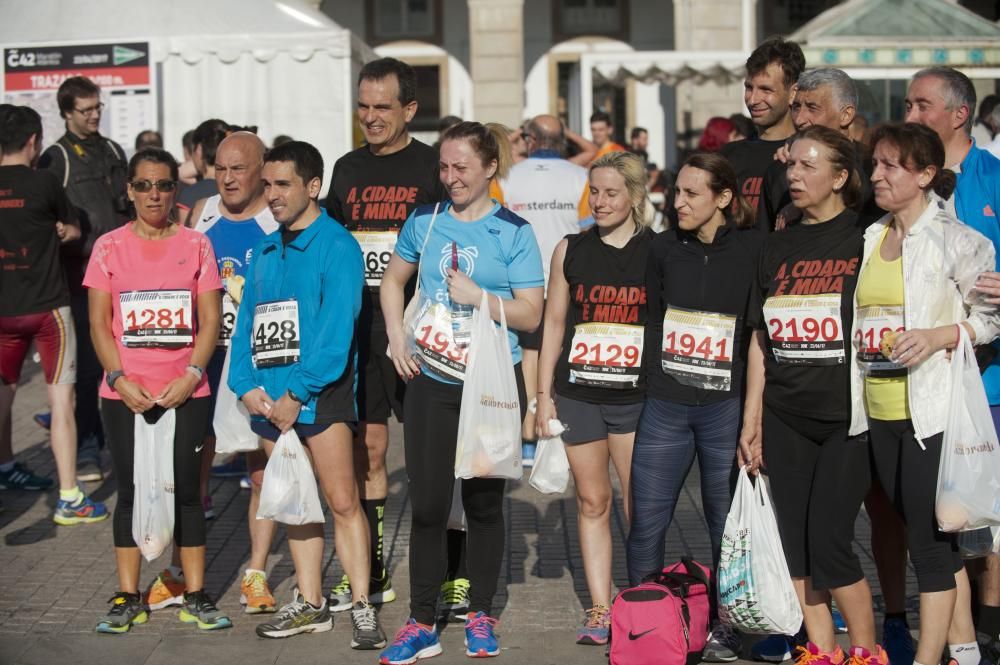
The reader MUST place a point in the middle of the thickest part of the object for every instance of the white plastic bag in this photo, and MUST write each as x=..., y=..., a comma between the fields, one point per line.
x=489, y=422
x=231, y=421
x=969, y=473
x=755, y=589
x=289, y=494
x=153, y=475
x=550, y=474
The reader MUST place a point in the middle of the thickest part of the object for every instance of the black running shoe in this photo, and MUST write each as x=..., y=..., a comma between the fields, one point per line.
x=297, y=617
x=367, y=631
x=126, y=610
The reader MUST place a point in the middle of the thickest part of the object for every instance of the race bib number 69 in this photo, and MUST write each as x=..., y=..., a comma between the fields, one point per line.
x=377, y=248
x=805, y=330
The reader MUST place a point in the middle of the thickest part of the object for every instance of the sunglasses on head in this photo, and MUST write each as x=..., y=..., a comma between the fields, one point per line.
x=143, y=186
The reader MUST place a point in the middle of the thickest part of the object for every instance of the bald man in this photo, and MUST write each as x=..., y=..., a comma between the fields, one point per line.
x=552, y=194
x=235, y=220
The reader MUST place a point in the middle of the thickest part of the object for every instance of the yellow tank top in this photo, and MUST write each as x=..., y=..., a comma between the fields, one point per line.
x=881, y=285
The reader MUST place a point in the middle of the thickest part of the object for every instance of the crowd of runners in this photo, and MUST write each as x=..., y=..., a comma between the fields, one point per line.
x=743, y=323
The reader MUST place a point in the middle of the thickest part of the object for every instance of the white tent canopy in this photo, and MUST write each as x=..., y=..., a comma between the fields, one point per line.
x=280, y=65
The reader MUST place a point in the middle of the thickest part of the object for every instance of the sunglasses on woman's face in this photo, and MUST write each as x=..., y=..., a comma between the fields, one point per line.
x=143, y=186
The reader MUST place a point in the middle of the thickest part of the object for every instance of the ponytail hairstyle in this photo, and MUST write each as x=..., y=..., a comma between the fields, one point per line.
x=721, y=177
x=488, y=141
x=919, y=148
x=842, y=157
x=631, y=169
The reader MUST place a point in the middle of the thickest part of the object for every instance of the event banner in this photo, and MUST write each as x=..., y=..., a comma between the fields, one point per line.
x=32, y=75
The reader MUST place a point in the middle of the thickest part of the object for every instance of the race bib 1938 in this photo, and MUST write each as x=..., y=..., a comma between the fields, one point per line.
x=161, y=318
x=276, y=336
x=874, y=323
x=377, y=248
x=805, y=330
x=436, y=343
x=606, y=355
x=697, y=348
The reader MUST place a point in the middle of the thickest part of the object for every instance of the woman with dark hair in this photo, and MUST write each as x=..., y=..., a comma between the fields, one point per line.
x=717, y=133
x=698, y=286
x=916, y=289
x=154, y=312
x=590, y=371
x=493, y=250
x=798, y=399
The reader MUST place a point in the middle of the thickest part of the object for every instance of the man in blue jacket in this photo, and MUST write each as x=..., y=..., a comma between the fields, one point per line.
x=944, y=99
x=293, y=364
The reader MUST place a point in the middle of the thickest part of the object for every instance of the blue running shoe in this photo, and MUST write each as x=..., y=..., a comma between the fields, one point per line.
x=897, y=641
x=411, y=643
x=777, y=648
x=236, y=467
x=480, y=642
x=84, y=511
x=44, y=419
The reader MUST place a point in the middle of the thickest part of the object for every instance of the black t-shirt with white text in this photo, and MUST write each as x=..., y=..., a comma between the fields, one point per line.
x=804, y=303
x=32, y=279
x=750, y=159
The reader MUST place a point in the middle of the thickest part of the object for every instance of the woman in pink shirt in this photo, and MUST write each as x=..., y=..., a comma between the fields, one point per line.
x=154, y=312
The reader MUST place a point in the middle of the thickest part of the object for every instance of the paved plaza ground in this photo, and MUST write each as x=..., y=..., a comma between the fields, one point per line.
x=55, y=581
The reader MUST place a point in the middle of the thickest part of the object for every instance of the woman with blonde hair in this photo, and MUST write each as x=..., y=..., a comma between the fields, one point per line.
x=590, y=369
x=458, y=249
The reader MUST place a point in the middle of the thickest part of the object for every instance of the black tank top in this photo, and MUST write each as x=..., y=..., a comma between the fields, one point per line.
x=602, y=349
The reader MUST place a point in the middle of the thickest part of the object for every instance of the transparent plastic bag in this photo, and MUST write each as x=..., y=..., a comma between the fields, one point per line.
x=289, y=494
x=153, y=475
x=550, y=473
x=969, y=473
x=231, y=420
x=489, y=422
x=755, y=589
x=417, y=306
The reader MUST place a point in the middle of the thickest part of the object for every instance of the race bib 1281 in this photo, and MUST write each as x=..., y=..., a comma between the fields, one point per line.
x=159, y=318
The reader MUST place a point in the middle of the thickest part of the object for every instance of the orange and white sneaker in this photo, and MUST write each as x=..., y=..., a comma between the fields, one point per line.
x=862, y=656
x=166, y=590
x=255, y=594
x=810, y=654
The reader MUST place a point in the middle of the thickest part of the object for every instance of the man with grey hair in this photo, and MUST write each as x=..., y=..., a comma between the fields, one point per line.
x=553, y=195
x=994, y=121
x=824, y=97
x=944, y=99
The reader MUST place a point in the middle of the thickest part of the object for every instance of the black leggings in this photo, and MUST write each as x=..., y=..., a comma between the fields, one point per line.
x=189, y=434
x=909, y=476
x=430, y=431
x=819, y=477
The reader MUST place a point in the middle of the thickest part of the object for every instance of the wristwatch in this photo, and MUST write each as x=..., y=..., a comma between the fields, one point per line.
x=294, y=397
x=114, y=376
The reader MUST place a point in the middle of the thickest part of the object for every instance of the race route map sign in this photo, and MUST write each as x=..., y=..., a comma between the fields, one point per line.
x=33, y=73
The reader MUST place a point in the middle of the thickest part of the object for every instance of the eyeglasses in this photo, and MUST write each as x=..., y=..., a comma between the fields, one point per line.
x=143, y=186
x=91, y=110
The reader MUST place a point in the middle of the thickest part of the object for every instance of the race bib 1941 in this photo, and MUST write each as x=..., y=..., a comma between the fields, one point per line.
x=276, y=336
x=697, y=348
x=805, y=330
x=874, y=323
x=606, y=355
x=436, y=343
x=377, y=248
x=161, y=318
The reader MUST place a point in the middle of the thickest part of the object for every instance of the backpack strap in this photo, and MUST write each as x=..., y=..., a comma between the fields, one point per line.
x=59, y=145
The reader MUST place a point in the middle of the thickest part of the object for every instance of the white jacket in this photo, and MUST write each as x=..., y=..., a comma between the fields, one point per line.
x=942, y=258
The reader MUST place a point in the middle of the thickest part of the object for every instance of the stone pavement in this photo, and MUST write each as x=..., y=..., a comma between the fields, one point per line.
x=55, y=581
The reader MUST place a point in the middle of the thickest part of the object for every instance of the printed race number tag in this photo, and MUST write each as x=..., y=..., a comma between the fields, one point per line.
x=228, y=321
x=377, y=248
x=805, y=330
x=874, y=323
x=160, y=318
x=606, y=355
x=697, y=348
x=276, y=338
x=436, y=343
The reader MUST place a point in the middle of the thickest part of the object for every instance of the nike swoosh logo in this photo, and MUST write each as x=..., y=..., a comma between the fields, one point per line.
x=635, y=636
x=198, y=449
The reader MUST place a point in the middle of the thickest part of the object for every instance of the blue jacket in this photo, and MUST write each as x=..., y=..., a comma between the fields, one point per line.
x=324, y=271
x=977, y=199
